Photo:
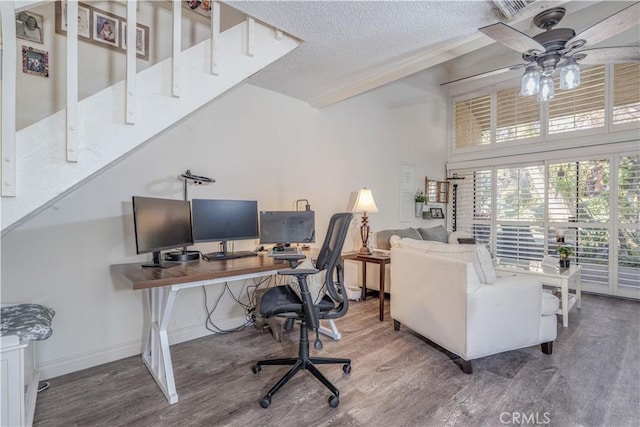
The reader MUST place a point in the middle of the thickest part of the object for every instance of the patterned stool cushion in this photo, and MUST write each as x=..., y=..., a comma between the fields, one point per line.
x=30, y=322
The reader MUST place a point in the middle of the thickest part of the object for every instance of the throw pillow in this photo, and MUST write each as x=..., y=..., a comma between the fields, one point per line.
x=467, y=240
x=435, y=234
x=455, y=235
x=383, y=236
x=315, y=282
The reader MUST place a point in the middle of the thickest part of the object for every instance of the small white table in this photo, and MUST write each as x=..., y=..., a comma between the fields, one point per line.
x=551, y=276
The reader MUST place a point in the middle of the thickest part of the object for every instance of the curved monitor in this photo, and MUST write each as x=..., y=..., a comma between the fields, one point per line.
x=161, y=224
x=287, y=227
x=222, y=220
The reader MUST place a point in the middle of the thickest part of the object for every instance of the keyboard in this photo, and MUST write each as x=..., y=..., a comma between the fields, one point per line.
x=288, y=250
x=229, y=255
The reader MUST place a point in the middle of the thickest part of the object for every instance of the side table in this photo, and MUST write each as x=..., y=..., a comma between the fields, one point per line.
x=379, y=258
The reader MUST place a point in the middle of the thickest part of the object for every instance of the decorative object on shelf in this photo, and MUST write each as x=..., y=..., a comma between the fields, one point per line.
x=29, y=26
x=35, y=62
x=431, y=190
x=442, y=195
x=436, y=213
x=454, y=199
x=565, y=252
x=364, y=203
x=560, y=235
x=102, y=28
x=419, y=198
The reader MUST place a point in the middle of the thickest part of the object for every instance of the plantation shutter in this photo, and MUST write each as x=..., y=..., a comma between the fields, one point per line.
x=629, y=221
x=520, y=212
x=626, y=93
x=473, y=122
x=474, y=204
x=518, y=117
x=580, y=108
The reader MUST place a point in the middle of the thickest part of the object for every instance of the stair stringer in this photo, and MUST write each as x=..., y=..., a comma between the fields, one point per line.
x=42, y=172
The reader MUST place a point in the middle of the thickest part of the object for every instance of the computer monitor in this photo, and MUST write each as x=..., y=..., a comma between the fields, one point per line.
x=284, y=227
x=161, y=224
x=216, y=220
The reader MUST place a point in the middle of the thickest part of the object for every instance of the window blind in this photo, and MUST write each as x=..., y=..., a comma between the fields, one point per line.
x=474, y=206
x=626, y=93
x=580, y=108
x=473, y=122
x=518, y=117
x=629, y=221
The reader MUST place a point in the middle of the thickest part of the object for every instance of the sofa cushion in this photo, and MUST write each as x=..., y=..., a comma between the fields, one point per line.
x=383, y=236
x=315, y=282
x=476, y=254
x=435, y=234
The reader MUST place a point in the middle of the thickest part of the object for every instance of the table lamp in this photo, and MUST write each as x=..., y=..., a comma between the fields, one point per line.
x=364, y=203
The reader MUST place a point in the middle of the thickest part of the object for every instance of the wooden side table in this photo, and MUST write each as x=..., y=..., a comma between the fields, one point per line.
x=379, y=258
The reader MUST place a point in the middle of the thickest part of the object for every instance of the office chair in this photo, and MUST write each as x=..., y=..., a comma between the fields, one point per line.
x=282, y=301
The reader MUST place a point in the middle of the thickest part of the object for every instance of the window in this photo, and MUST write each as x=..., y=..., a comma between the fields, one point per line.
x=474, y=205
x=628, y=241
x=518, y=117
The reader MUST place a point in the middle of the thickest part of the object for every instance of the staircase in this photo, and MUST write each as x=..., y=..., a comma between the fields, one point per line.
x=43, y=170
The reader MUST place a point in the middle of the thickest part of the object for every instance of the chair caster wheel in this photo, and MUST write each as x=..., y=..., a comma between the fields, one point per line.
x=265, y=402
x=346, y=368
x=317, y=345
x=256, y=369
x=334, y=401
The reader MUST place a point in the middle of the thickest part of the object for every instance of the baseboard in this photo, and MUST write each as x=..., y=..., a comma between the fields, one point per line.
x=80, y=361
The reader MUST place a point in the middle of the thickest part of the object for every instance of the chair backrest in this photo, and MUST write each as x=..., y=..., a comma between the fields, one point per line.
x=330, y=259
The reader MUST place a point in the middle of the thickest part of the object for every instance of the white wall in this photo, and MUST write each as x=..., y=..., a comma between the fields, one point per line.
x=257, y=145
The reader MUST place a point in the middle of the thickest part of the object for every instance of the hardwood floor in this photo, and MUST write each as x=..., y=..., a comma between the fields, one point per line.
x=398, y=379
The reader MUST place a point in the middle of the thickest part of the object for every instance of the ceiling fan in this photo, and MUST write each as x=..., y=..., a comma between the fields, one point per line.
x=561, y=48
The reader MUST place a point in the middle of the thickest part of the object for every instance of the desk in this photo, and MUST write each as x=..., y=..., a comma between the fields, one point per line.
x=379, y=258
x=551, y=276
x=164, y=285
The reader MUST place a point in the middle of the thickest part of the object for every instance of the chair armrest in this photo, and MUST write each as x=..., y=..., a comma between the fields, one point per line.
x=298, y=271
x=292, y=258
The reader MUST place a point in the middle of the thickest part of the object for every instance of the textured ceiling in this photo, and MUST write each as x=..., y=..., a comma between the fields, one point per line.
x=352, y=46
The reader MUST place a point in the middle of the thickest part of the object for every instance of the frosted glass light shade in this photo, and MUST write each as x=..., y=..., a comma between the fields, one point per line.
x=570, y=75
x=364, y=202
x=547, y=91
x=530, y=82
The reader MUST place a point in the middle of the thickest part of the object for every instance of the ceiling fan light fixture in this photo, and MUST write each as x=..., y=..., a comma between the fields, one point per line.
x=530, y=81
x=570, y=75
x=547, y=91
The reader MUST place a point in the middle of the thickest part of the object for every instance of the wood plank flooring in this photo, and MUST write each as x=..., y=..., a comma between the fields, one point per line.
x=398, y=379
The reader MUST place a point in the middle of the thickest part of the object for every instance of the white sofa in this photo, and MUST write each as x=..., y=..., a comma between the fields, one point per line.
x=450, y=295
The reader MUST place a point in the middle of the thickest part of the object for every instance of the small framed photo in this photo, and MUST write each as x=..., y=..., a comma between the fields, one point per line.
x=35, y=61
x=106, y=29
x=142, y=40
x=436, y=213
x=29, y=26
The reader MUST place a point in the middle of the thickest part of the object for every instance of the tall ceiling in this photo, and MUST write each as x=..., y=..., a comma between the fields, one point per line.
x=354, y=46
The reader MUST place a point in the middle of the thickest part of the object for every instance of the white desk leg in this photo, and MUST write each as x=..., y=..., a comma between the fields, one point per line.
x=331, y=331
x=565, y=303
x=156, y=355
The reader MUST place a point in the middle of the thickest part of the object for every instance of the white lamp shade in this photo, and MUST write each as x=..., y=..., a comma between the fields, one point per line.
x=530, y=82
x=364, y=202
x=547, y=91
x=570, y=76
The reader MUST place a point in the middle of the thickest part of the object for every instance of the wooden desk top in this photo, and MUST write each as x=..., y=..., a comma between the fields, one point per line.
x=145, y=277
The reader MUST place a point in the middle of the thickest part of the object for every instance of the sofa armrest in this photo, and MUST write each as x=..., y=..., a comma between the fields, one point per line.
x=504, y=315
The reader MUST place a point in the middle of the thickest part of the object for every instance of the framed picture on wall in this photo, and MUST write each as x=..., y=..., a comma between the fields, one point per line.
x=35, y=62
x=29, y=26
x=106, y=29
x=142, y=40
x=436, y=213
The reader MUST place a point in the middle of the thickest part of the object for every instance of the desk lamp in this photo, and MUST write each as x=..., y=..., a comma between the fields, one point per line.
x=364, y=203
x=186, y=255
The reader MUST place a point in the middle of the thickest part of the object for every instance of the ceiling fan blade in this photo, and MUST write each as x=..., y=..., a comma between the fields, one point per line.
x=609, y=27
x=486, y=74
x=511, y=38
x=604, y=55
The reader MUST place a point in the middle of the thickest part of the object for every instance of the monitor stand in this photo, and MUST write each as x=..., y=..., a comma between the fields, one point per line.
x=156, y=262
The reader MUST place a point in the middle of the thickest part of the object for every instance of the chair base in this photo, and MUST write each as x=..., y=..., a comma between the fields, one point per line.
x=303, y=361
